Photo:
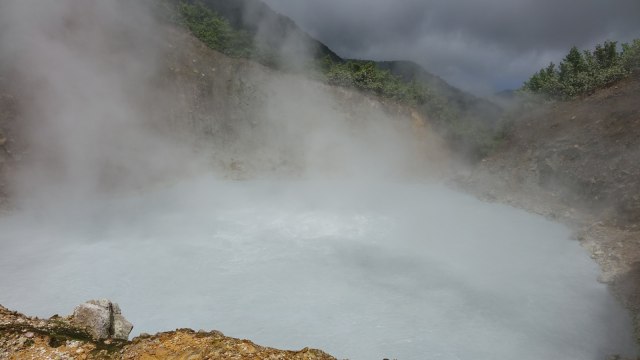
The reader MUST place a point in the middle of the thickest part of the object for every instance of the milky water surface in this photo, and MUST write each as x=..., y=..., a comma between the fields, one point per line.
x=406, y=271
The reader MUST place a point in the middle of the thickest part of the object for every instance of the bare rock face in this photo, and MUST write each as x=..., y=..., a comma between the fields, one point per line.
x=121, y=327
x=103, y=319
x=95, y=318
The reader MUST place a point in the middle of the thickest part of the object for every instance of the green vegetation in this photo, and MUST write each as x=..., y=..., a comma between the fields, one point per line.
x=216, y=31
x=583, y=72
x=367, y=77
x=467, y=133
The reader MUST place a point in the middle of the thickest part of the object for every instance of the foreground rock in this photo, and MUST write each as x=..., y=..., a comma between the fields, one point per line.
x=102, y=319
x=23, y=337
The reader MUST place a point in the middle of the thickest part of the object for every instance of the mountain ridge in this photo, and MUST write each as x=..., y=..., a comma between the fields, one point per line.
x=472, y=124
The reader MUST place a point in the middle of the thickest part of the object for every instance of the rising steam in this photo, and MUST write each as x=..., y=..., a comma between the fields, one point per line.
x=114, y=97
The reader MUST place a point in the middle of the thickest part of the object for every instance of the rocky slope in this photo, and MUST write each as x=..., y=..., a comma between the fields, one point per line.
x=577, y=162
x=239, y=118
x=23, y=337
x=257, y=126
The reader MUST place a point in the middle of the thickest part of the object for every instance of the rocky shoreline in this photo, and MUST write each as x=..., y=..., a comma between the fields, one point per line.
x=614, y=249
x=576, y=162
x=24, y=337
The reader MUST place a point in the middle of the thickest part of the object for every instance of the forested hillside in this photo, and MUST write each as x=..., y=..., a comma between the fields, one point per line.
x=582, y=72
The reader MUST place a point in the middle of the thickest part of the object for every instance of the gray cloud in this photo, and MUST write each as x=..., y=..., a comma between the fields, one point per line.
x=479, y=45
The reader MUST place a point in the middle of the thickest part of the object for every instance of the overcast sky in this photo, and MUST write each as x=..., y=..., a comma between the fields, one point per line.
x=481, y=46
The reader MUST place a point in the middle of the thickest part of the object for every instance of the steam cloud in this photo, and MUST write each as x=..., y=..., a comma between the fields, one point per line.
x=113, y=99
x=84, y=71
x=106, y=97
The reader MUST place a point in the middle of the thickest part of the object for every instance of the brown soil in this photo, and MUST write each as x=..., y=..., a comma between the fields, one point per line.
x=23, y=337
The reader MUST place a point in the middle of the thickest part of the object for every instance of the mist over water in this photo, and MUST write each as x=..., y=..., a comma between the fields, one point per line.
x=407, y=271
x=355, y=259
